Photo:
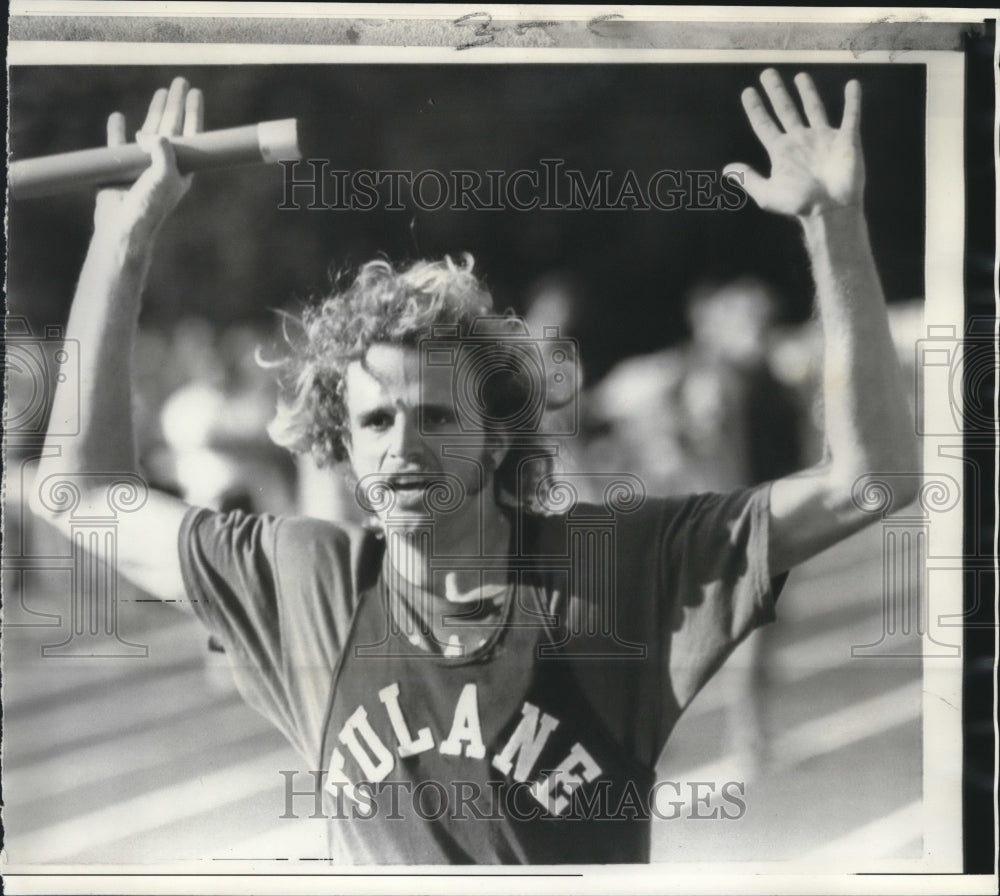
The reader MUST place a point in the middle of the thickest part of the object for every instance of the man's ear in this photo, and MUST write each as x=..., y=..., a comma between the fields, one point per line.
x=498, y=447
x=348, y=461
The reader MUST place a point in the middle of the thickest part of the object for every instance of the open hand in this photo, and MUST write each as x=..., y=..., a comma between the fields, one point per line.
x=814, y=168
x=147, y=203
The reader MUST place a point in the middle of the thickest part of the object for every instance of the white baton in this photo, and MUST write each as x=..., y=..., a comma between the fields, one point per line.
x=266, y=141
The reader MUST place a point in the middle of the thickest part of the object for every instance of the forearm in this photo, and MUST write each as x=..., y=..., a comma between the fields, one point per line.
x=818, y=177
x=869, y=428
x=102, y=321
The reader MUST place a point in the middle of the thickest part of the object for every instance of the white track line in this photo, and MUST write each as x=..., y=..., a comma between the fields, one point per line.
x=825, y=734
x=880, y=838
x=159, y=807
x=131, y=754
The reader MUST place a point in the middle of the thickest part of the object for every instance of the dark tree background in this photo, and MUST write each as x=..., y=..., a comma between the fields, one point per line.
x=231, y=255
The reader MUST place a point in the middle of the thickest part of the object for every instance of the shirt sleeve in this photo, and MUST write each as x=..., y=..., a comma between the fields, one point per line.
x=277, y=594
x=691, y=581
x=716, y=585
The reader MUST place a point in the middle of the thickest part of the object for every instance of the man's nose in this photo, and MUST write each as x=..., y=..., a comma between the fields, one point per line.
x=406, y=437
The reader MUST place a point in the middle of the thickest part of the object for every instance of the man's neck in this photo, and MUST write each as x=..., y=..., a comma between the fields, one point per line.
x=424, y=562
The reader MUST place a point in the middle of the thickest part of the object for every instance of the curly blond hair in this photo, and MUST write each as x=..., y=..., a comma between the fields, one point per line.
x=383, y=304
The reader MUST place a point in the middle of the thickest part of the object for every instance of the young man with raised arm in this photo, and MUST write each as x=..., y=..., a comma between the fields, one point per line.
x=462, y=653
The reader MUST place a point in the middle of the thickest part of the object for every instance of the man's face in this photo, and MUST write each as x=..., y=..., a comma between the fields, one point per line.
x=399, y=419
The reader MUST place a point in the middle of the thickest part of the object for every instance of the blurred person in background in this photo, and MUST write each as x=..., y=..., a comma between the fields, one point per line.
x=634, y=420
x=731, y=387
x=214, y=425
x=746, y=426
x=479, y=686
x=554, y=308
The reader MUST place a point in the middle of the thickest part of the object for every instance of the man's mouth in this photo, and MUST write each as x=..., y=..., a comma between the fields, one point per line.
x=408, y=484
x=410, y=481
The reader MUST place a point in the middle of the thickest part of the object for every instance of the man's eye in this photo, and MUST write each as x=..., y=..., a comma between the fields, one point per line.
x=438, y=417
x=377, y=421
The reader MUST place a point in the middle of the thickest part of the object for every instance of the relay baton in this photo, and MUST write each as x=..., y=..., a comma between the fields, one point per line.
x=266, y=141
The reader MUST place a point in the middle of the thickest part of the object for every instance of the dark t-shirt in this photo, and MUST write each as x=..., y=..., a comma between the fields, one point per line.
x=615, y=622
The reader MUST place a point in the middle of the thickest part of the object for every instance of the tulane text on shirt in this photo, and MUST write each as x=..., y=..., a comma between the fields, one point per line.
x=375, y=760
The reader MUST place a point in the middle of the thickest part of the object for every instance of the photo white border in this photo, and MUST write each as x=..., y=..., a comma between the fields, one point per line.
x=944, y=282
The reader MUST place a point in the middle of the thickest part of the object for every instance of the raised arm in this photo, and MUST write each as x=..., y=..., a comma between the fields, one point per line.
x=817, y=176
x=103, y=320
